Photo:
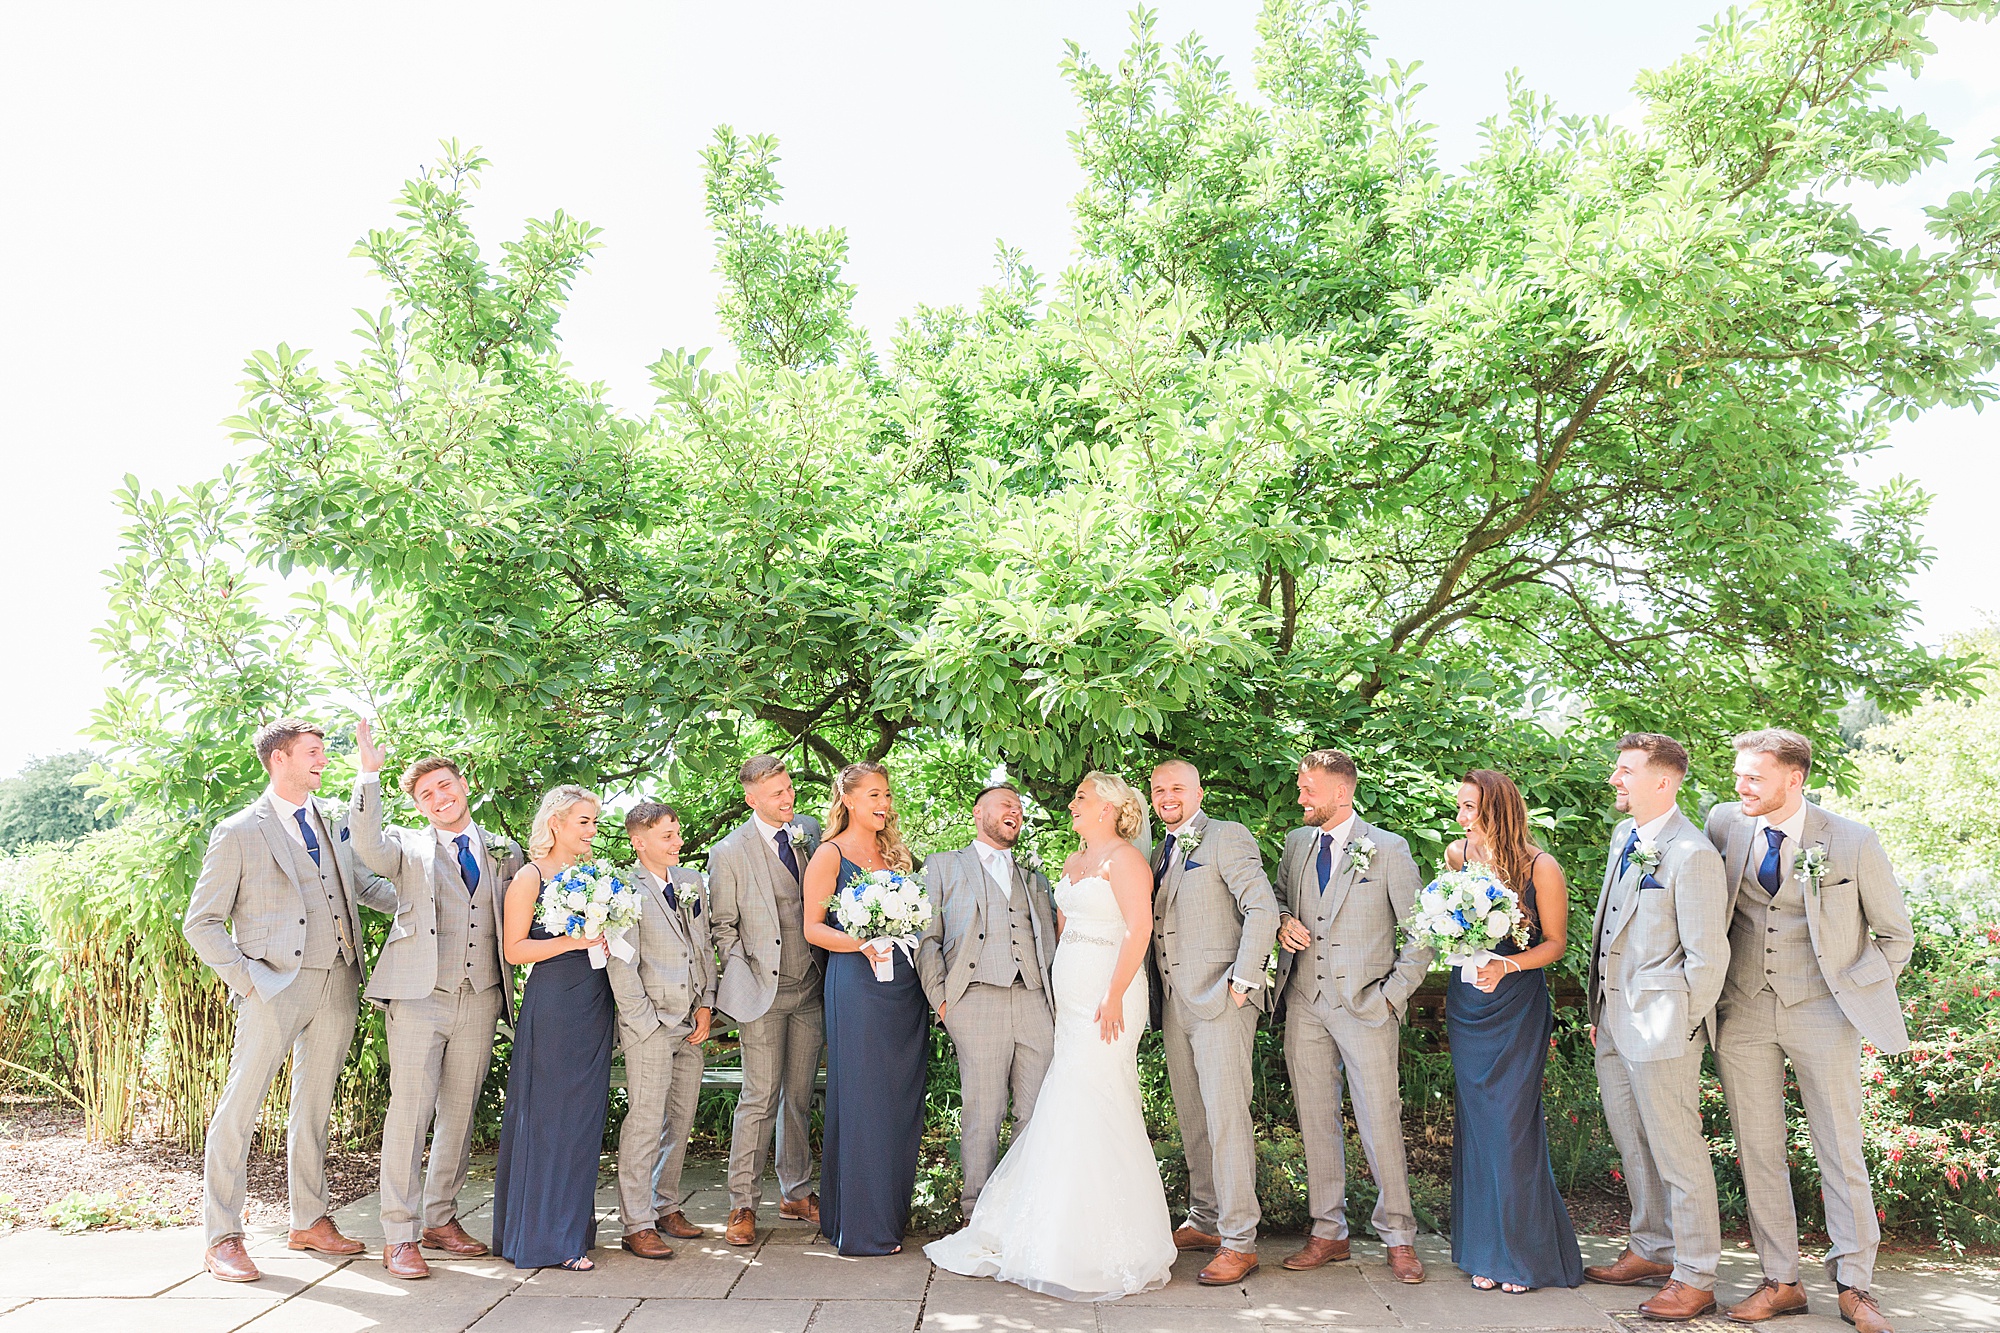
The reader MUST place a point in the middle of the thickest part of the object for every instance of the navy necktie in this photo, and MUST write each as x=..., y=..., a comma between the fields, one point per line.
x=312, y=841
x=787, y=855
x=468, y=864
x=1768, y=873
x=673, y=899
x=1166, y=859
x=1325, y=861
x=1625, y=857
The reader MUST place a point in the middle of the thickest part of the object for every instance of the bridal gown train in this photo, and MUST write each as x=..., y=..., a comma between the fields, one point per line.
x=1075, y=1209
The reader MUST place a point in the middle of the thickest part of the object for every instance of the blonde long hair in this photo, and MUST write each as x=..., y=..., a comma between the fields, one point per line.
x=889, y=842
x=541, y=838
x=1120, y=793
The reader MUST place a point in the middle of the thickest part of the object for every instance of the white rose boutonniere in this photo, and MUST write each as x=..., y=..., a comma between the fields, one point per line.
x=1362, y=853
x=1812, y=864
x=1646, y=855
x=796, y=831
x=1187, y=840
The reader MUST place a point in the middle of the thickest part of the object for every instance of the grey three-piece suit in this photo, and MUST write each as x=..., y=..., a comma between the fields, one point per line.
x=1344, y=1001
x=1812, y=971
x=444, y=979
x=1214, y=917
x=770, y=985
x=985, y=960
x=281, y=930
x=672, y=974
x=1659, y=947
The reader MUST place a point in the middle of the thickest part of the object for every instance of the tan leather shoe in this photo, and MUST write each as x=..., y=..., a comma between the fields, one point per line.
x=1318, y=1250
x=454, y=1240
x=325, y=1237
x=1678, y=1302
x=1187, y=1238
x=800, y=1210
x=742, y=1227
x=675, y=1224
x=1628, y=1271
x=228, y=1261
x=1769, y=1301
x=647, y=1244
x=1859, y=1309
x=1227, y=1268
x=1403, y=1262
x=405, y=1260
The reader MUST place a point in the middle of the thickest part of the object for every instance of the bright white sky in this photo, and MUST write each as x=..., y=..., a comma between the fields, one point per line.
x=186, y=182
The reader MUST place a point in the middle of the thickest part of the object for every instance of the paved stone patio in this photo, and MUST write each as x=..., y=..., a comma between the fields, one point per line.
x=152, y=1282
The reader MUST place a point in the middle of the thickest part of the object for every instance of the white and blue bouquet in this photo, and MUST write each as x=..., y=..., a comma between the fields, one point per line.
x=586, y=901
x=885, y=904
x=1462, y=914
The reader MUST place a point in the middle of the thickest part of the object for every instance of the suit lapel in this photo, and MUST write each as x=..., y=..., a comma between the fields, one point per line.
x=1618, y=836
x=1343, y=879
x=1814, y=833
x=1737, y=853
x=278, y=839
x=1170, y=884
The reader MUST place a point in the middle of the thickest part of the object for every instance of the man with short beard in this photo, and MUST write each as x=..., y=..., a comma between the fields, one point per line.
x=984, y=963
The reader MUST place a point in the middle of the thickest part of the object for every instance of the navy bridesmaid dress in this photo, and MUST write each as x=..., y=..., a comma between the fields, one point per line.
x=1508, y=1221
x=877, y=1058
x=552, y=1127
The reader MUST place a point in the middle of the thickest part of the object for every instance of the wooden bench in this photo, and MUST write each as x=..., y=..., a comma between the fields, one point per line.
x=713, y=1077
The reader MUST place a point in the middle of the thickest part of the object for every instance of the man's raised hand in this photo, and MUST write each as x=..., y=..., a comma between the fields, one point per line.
x=372, y=756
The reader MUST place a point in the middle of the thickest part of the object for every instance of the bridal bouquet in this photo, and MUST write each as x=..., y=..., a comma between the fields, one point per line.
x=885, y=904
x=1462, y=914
x=588, y=900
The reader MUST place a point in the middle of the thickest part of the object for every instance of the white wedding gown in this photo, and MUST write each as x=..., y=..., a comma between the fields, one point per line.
x=1075, y=1209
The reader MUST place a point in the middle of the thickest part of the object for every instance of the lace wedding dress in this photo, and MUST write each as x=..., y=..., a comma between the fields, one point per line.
x=1075, y=1209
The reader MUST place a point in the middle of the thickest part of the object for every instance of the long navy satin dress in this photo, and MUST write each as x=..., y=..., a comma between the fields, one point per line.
x=1508, y=1220
x=877, y=1059
x=552, y=1127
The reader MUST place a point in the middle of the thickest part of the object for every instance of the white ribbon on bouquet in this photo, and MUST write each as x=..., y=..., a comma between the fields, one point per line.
x=614, y=942
x=1468, y=964
x=885, y=963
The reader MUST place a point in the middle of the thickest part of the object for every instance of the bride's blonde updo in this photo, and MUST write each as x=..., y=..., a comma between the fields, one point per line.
x=1131, y=810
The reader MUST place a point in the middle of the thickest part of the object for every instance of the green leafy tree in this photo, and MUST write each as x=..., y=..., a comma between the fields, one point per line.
x=45, y=802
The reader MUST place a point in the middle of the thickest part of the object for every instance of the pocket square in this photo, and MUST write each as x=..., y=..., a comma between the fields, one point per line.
x=1646, y=881
x=1190, y=865
x=343, y=834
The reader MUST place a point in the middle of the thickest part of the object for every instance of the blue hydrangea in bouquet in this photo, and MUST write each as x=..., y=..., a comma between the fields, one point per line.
x=591, y=901
x=885, y=904
x=1462, y=914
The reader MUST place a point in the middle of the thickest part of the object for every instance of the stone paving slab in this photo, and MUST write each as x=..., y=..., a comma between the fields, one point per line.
x=105, y=1315
x=558, y=1314
x=727, y=1317
x=361, y=1298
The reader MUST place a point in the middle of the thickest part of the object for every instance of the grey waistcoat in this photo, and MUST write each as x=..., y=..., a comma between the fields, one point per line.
x=1008, y=955
x=326, y=906
x=795, y=960
x=466, y=927
x=1770, y=943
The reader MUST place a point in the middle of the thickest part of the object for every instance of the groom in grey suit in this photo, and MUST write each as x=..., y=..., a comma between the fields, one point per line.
x=1345, y=986
x=984, y=963
x=1659, y=947
x=274, y=915
x=446, y=984
x=770, y=985
x=1818, y=935
x=1214, y=917
x=666, y=996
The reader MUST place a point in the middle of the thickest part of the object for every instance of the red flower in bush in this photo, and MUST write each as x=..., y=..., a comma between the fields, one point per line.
x=1895, y=1154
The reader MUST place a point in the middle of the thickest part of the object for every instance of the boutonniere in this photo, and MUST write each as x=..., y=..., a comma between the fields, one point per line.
x=1646, y=855
x=1188, y=840
x=796, y=831
x=1028, y=859
x=1813, y=862
x=1362, y=853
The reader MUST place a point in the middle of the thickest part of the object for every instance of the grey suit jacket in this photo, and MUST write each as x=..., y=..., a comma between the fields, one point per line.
x=1214, y=917
x=672, y=972
x=246, y=916
x=1660, y=944
x=743, y=916
x=406, y=969
x=1374, y=979
x=1859, y=924
x=950, y=945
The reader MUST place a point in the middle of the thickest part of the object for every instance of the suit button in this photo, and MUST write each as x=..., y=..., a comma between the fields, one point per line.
x=298, y=953
x=302, y=921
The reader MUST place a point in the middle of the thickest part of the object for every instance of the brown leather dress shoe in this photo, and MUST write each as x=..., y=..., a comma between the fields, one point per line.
x=1769, y=1301
x=228, y=1261
x=1403, y=1262
x=325, y=1237
x=1318, y=1250
x=742, y=1227
x=800, y=1210
x=404, y=1260
x=675, y=1224
x=647, y=1244
x=1628, y=1271
x=1678, y=1302
x=454, y=1240
x=1859, y=1309
x=1228, y=1267
x=1187, y=1238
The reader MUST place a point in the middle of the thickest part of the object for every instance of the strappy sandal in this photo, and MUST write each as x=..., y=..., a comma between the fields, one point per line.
x=1515, y=1289
x=1484, y=1283
x=580, y=1264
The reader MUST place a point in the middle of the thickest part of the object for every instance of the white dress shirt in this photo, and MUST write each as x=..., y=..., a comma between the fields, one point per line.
x=288, y=816
x=999, y=866
x=1650, y=830
x=1793, y=826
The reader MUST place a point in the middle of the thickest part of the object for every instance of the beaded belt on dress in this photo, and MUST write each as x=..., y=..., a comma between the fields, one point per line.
x=1074, y=934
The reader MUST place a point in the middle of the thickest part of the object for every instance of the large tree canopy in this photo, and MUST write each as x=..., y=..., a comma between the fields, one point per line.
x=1318, y=442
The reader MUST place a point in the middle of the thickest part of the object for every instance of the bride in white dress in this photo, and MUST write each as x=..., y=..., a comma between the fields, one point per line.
x=1076, y=1209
